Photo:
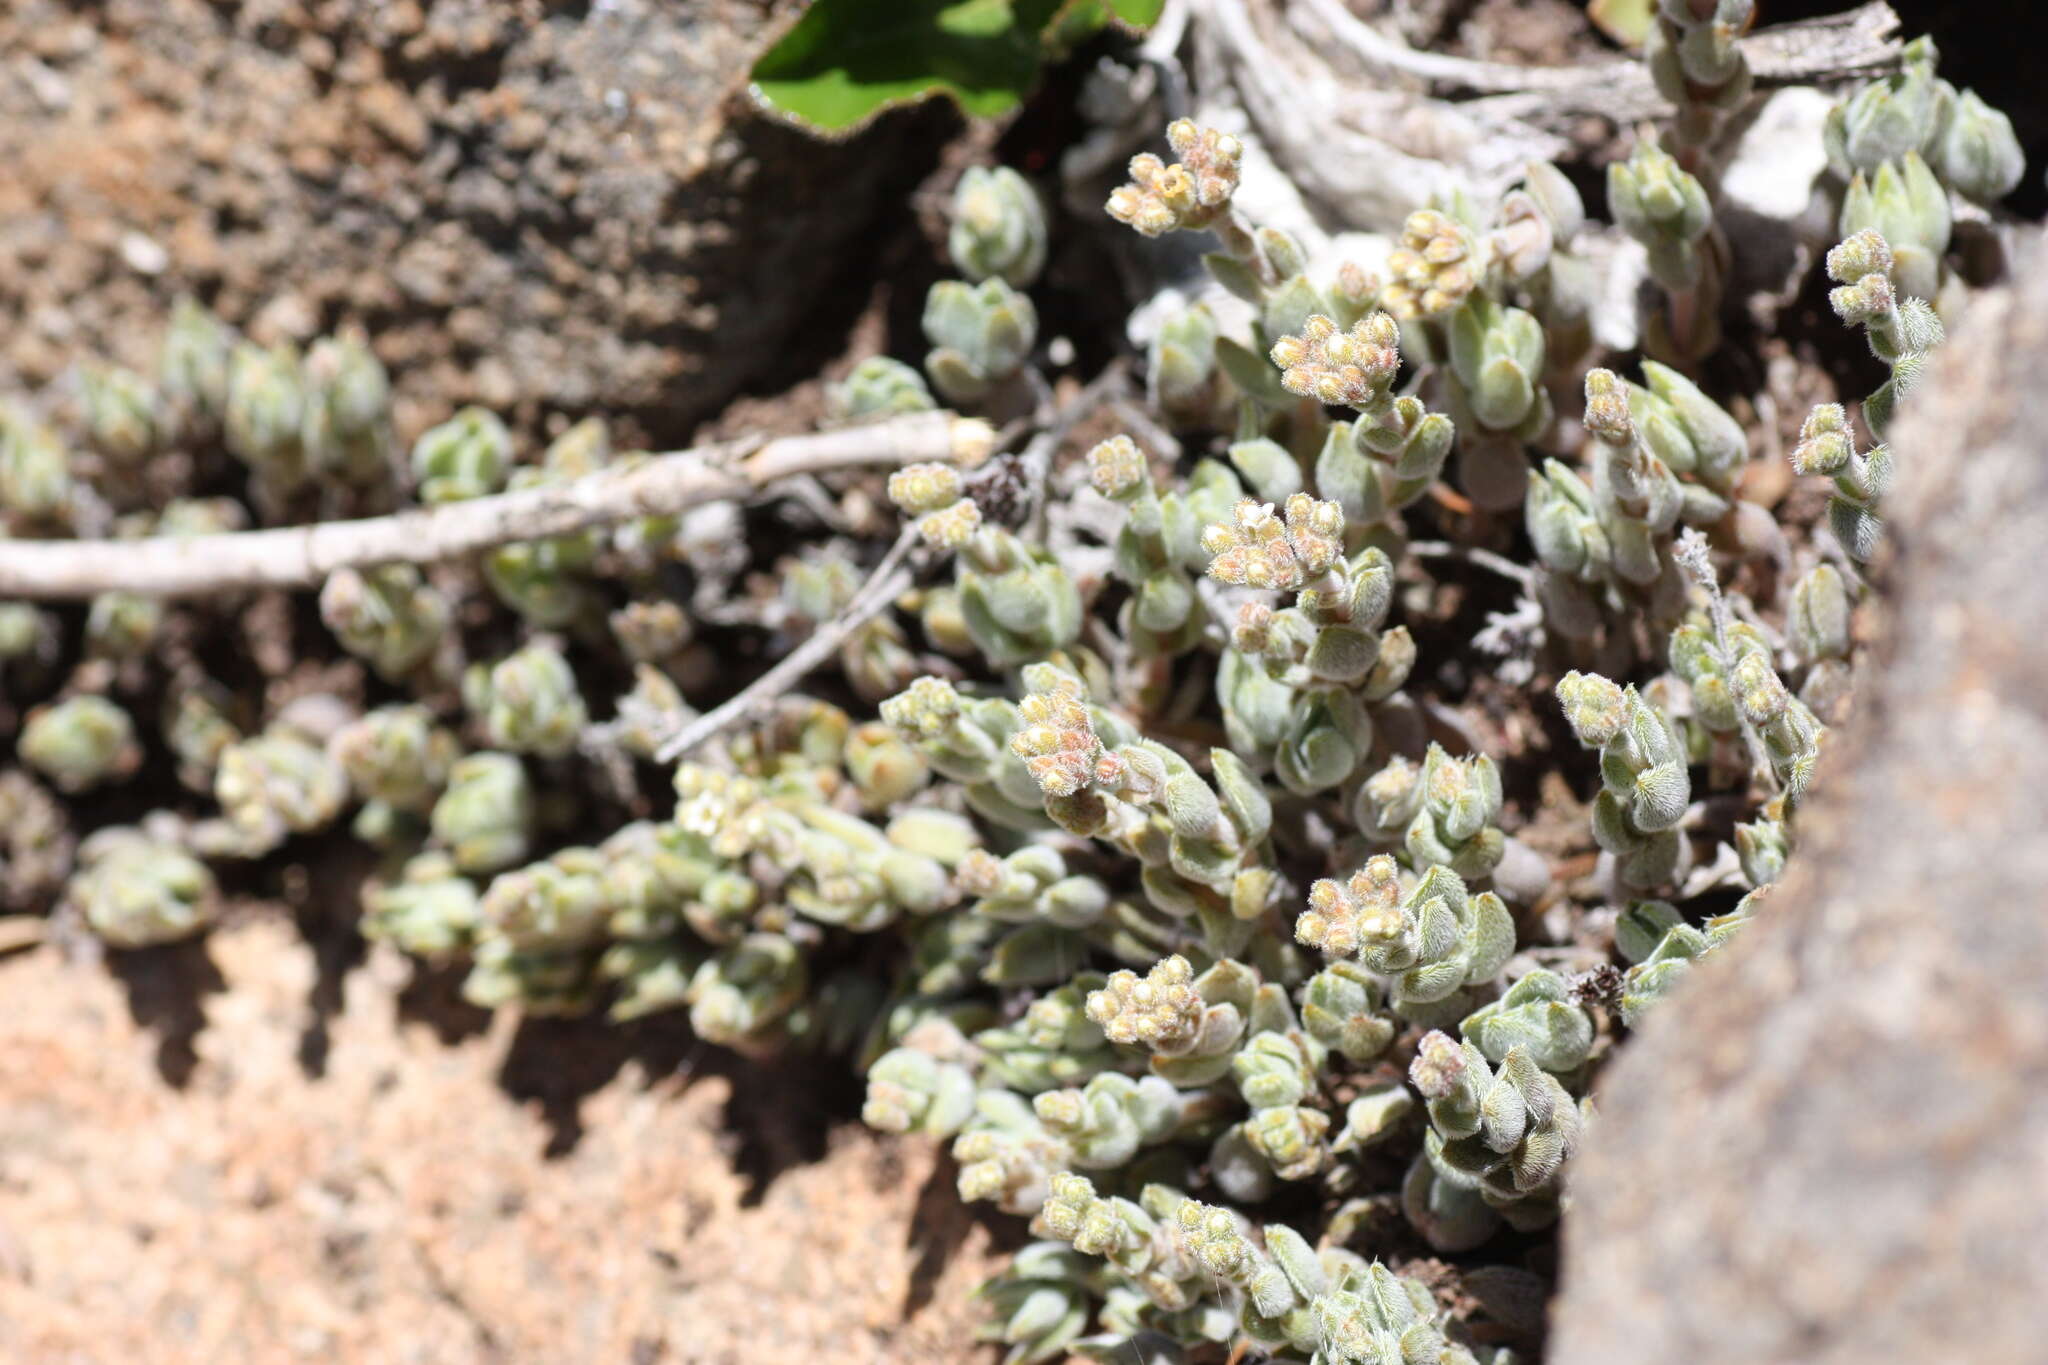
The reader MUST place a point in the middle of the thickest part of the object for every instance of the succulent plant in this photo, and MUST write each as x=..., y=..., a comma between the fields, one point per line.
x=388, y=615
x=485, y=816
x=998, y=227
x=261, y=423
x=37, y=846
x=466, y=456
x=430, y=911
x=35, y=472
x=527, y=702
x=122, y=414
x=278, y=783
x=878, y=387
x=1155, y=847
x=980, y=335
x=345, y=429
x=137, y=892
x=80, y=743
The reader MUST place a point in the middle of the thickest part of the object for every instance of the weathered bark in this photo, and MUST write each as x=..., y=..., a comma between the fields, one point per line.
x=1832, y=1145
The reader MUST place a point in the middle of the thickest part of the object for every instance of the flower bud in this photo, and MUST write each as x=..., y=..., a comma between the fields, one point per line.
x=1594, y=707
x=1187, y=194
x=1825, y=444
x=1607, y=408
x=1435, y=265
x=1759, y=691
x=920, y=488
x=1859, y=254
x=950, y=528
x=1355, y=368
x=1160, y=1012
x=1116, y=467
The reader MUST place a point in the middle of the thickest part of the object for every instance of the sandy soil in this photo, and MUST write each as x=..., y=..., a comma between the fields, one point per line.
x=278, y=1164
x=548, y=208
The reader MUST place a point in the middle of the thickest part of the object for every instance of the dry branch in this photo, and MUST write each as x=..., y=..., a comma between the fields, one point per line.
x=881, y=590
x=1372, y=149
x=1860, y=43
x=303, y=556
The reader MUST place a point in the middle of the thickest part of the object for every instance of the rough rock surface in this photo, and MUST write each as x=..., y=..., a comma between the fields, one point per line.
x=538, y=206
x=1829, y=1147
x=314, y=1174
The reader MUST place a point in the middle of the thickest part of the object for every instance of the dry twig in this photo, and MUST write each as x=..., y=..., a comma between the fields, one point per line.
x=883, y=587
x=1859, y=43
x=303, y=556
x=1421, y=125
x=889, y=579
x=1477, y=557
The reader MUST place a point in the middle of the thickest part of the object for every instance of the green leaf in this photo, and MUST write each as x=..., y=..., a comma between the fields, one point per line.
x=1626, y=21
x=1235, y=276
x=845, y=61
x=1079, y=20
x=1252, y=373
x=1076, y=22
